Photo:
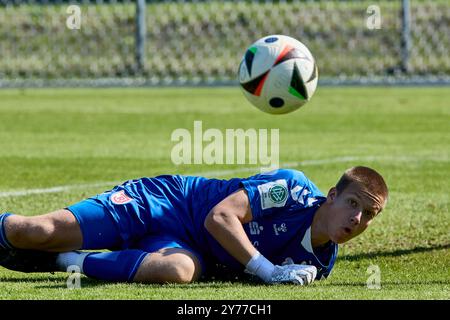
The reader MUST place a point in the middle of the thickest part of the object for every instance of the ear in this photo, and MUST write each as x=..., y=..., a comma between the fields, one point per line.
x=332, y=194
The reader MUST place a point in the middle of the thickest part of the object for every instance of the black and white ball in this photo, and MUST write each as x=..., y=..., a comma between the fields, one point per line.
x=278, y=74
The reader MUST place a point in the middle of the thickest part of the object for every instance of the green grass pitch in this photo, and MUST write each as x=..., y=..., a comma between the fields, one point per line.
x=86, y=140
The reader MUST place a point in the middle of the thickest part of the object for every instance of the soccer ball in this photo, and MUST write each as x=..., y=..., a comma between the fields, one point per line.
x=278, y=74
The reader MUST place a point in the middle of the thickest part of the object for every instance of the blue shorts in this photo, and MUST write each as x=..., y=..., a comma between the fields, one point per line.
x=101, y=231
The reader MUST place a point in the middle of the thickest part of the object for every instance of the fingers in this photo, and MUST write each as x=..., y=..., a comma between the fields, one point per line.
x=287, y=261
x=299, y=280
x=310, y=274
x=306, y=275
x=296, y=274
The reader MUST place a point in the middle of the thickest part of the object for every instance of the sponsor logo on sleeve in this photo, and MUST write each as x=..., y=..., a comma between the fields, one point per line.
x=273, y=194
x=303, y=196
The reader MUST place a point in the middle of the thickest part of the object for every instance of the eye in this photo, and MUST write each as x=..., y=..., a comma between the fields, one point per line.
x=369, y=214
x=353, y=203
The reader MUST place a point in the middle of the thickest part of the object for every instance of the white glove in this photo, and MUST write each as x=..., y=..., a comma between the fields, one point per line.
x=287, y=273
x=294, y=273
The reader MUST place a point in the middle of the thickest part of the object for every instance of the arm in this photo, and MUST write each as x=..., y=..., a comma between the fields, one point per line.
x=225, y=221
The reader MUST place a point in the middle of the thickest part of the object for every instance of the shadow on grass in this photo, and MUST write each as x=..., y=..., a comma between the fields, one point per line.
x=51, y=282
x=389, y=283
x=60, y=283
x=395, y=253
x=85, y=282
x=25, y=280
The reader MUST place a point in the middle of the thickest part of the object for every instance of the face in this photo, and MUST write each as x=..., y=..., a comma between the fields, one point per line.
x=351, y=212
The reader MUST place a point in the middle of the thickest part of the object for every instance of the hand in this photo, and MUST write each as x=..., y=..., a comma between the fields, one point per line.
x=294, y=273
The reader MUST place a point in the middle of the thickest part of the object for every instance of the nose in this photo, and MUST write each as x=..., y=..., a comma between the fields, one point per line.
x=356, y=218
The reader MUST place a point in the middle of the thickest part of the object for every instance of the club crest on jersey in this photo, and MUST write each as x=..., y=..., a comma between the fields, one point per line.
x=120, y=198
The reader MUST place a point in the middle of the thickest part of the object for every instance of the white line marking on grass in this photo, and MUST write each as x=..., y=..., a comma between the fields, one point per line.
x=219, y=173
x=27, y=192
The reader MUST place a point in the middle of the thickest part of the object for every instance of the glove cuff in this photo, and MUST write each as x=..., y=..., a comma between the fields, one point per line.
x=260, y=266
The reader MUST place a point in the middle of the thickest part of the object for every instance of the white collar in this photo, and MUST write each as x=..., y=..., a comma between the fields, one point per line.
x=306, y=242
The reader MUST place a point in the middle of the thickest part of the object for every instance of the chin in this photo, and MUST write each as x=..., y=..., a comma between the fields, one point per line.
x=341, y=238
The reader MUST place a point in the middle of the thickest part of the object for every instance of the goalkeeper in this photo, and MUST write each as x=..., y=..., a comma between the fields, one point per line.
x=277, y=227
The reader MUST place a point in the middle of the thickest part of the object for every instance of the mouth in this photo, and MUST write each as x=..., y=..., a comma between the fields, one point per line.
x=347, y=230
x=343, y=235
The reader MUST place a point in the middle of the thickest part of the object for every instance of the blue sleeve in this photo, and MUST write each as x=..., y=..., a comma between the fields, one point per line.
x=279, y=191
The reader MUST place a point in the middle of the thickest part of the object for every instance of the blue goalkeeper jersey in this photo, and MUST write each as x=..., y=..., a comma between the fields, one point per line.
x=283, y=204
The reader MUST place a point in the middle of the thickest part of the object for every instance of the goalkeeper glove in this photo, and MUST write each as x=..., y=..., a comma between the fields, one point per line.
x=287, y=273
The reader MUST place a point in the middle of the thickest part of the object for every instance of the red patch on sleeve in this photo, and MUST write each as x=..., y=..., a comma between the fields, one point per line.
x=120, y=198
